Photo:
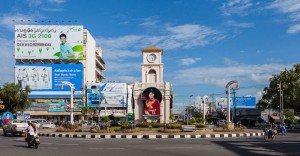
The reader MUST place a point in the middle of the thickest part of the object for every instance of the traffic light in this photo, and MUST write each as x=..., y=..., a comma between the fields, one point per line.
x=279, y=86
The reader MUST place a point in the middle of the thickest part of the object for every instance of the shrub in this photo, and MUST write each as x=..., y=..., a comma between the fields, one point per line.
x=143, y=124
x=157, y=125
x=199, y=125
x=126, y=126
x=78, y=130
x=174, y=126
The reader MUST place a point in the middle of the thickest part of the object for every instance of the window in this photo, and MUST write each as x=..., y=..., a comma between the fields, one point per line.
x=152, y=76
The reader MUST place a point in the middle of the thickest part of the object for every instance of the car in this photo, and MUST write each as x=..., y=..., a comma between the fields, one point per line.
x=39, y=122
x=295, y=126
x=15, y=127
x=48, y=125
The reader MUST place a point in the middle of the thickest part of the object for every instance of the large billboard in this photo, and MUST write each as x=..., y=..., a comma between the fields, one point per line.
x=49, y=42
x=45, y=80
x=107, y=94
x=241, y=102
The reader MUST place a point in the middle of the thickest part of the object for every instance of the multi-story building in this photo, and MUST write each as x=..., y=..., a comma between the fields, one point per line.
x=47, y=55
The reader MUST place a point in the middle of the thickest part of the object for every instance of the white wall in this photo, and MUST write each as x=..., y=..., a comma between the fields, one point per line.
x=89, y=63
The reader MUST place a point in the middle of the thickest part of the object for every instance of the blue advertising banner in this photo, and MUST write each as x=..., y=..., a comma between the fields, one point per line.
x=241, y=102
x=26, y=116
x=45, y=80
x=107, y=94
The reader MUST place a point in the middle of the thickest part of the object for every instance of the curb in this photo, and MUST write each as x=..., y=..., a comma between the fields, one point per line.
x=177, y=136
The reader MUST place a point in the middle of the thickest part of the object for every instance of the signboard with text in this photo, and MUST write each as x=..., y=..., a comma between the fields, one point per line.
x=49, y=42
x=46, y=79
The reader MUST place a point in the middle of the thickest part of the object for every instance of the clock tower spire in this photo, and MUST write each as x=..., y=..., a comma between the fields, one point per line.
x=152, y=67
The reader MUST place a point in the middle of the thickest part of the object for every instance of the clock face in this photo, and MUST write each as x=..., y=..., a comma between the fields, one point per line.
x=151, y=57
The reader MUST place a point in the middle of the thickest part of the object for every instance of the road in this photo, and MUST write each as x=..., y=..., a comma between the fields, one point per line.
x=283, y=145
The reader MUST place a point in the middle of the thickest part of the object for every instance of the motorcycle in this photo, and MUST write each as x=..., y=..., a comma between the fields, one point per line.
x=34, y=141
x=269, y=134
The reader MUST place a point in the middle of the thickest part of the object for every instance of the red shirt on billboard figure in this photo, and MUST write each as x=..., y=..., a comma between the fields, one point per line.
x=152, y=106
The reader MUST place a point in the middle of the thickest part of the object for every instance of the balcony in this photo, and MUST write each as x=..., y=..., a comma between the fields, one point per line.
x=99, y=64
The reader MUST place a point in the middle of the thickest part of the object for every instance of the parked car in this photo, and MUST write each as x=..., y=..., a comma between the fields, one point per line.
x=39, y=122
x=295, y=126
x=48, y=125
x=15, y=127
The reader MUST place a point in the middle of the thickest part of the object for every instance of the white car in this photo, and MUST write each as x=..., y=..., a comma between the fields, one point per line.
x=15, y=127
x=48, y=125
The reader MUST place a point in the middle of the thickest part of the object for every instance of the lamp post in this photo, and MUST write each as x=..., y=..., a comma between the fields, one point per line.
x=71, y=98
x=228, y=98
x=205, y=98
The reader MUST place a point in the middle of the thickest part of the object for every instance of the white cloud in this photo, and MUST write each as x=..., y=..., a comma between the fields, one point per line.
x=290, y=8
x=10, y=20
x=150, y=22
x=230, y=62
x=236, y=7
x=294, y=29
x=189, y=61
x=183, y=36
x=220, y=76
x=239, y=24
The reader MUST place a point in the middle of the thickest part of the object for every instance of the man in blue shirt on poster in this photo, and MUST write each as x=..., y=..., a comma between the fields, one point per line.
x=65, y=48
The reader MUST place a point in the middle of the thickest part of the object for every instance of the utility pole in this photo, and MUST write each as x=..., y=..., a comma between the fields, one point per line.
x=280, y=100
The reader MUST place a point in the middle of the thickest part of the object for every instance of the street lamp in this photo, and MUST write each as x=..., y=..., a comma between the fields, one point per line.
x=72, y=88
x=228, y=97
x=205, y=98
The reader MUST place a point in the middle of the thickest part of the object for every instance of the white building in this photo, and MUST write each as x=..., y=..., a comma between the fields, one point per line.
x=93, y=66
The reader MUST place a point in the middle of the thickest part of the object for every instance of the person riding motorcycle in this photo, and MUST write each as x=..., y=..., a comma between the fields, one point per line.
x=31, y=131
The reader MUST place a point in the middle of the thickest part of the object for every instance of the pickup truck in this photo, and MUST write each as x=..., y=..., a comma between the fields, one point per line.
x=15, y=127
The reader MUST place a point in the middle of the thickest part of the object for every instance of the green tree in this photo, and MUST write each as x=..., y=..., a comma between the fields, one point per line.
x=173, y=117
x=106, y=120
x=15, y=98
x=290, y=87
x=93, y=111
x=290, y=117
x=84, y=110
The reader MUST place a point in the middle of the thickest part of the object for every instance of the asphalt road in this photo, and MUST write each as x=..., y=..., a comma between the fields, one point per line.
x=282, y=145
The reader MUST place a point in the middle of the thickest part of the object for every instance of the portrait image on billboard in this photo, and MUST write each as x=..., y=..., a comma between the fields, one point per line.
x=49, y=42
x=151, y=98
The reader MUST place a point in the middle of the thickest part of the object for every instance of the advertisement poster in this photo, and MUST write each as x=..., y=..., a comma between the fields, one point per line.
x=107, y=95
x=241, y=102
x=46, y=79
x=49, y=42
x=26, y=116
x=6, y=117
x=151, y=98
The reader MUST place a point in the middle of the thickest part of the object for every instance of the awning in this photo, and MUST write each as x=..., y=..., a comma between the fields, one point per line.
x=275, y=118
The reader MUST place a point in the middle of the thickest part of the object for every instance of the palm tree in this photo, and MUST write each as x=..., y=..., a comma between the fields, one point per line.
x=84, y=110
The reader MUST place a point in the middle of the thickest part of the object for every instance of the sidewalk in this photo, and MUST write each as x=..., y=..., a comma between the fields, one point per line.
x=153, y=135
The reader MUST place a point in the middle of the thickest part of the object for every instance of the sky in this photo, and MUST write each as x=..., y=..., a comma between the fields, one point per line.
x=206, y=43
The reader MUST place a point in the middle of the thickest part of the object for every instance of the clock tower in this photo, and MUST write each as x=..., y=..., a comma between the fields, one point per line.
x=152, y=67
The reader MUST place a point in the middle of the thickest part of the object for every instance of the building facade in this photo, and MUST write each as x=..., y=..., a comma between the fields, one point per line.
x=47, y=55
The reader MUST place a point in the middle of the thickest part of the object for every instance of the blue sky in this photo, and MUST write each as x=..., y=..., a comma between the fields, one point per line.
x=206, y=43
